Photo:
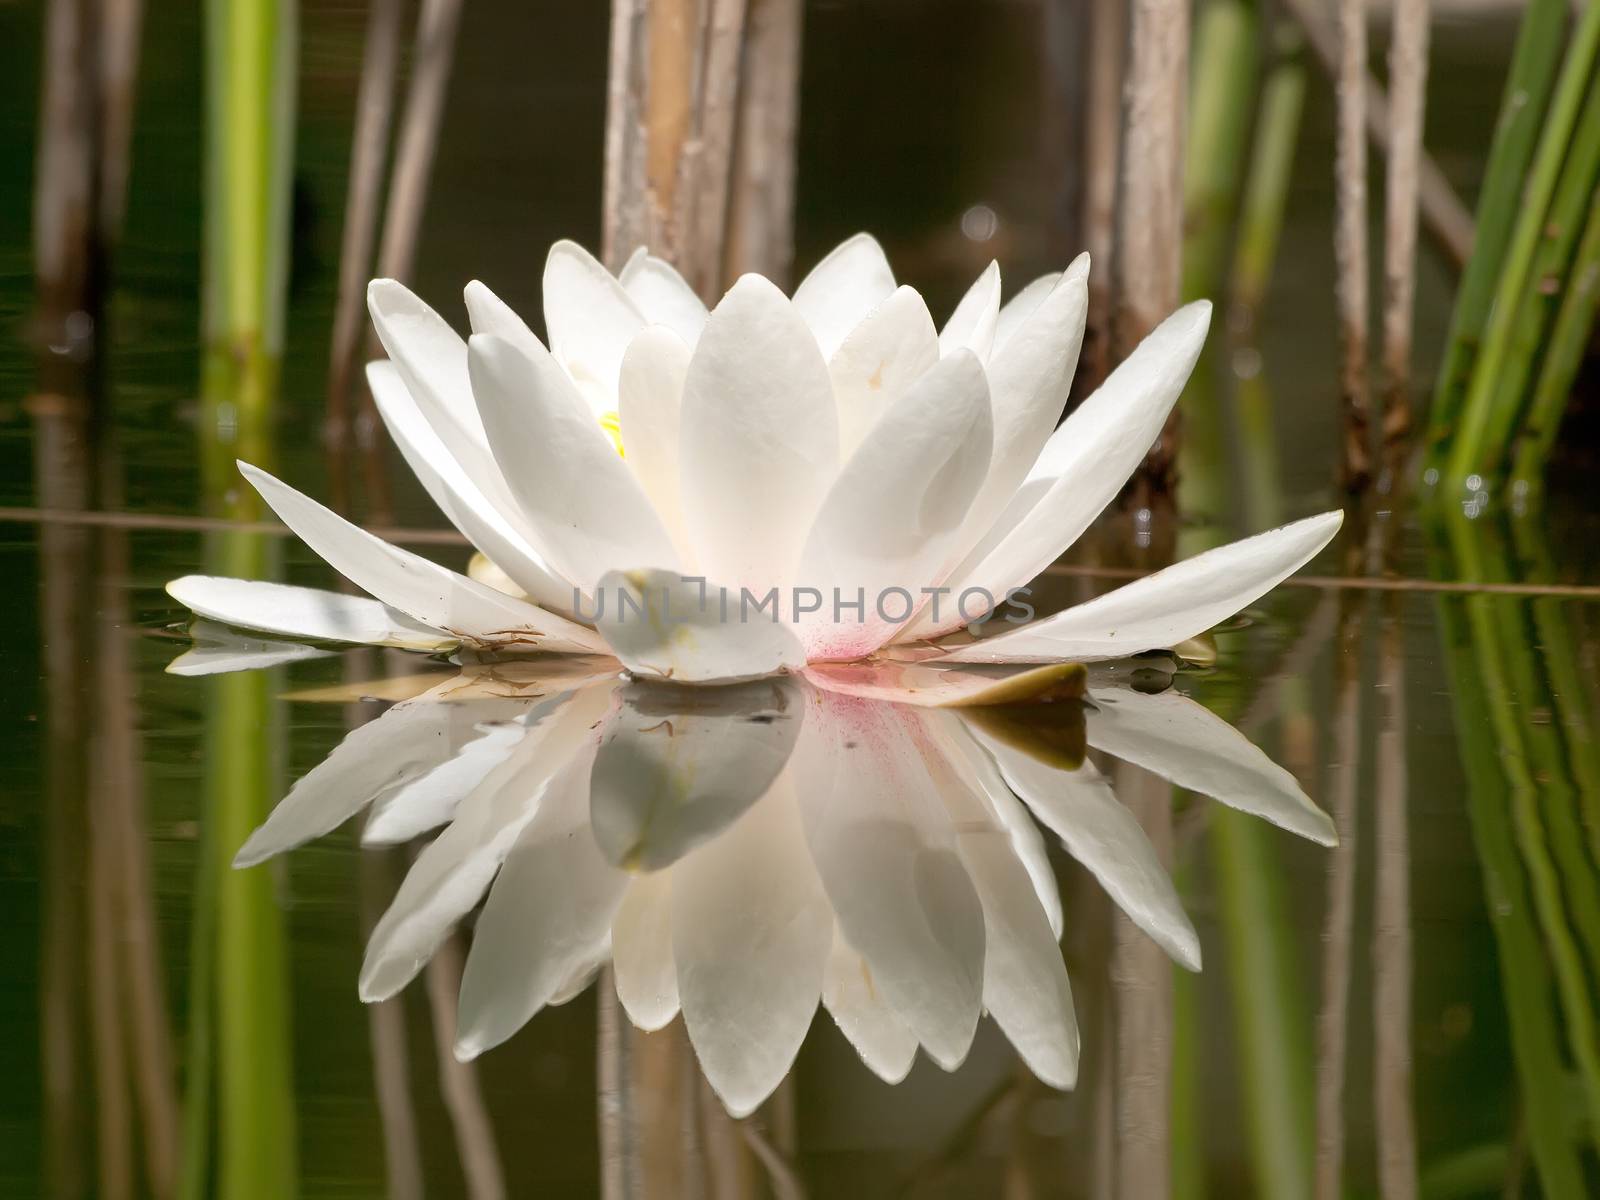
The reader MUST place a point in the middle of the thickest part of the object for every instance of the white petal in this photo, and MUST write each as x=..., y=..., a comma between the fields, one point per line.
x=503, y=539
x=852, y=280
x=668, y=627
x=945, y=687
x=588, y=507
x=1106, y=838
x=304, y=612
x=374, y=760
x=548, y=914
x=884, y=355
x=663, y=297
x=486, y=732
x=452, y=872
x=641, y=952
x=432, y=360
x=750, y=935
x=973, y=323
x=650, y=406
x=590, y=318
x=890, y=520
x=1020, y=307
x=678, y=765
x=858, y=1008
x=760, y=437
x=218, y=650
x=1188, y=744
x=1083, y=465
x=420, y=588
x=1164, y=608
x=886, y=853
x=1029, y=378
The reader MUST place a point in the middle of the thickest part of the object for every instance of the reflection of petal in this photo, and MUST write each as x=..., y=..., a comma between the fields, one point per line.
x=428, y=801
x=948, y=687
x=978, y=772
x=218, y=650
x=452, y=872
x=677, y=765
x=641, y=952
x=859, y=1009
x=887, y=857
x=750, y=935
x=548, y=914
x=681, y=629
x=1106, y=838
x=1188, y=744
x=408, y=743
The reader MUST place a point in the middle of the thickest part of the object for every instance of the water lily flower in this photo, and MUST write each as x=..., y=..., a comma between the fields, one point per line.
x=835, y=443
x=741, y=854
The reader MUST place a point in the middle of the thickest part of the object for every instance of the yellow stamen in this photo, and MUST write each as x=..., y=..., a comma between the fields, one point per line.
x=611, y=422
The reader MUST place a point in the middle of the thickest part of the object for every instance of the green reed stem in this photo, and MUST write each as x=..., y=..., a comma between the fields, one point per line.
x=1497, y=772
x=1220, y=98
x=1533, y=72
x=1569, y=341
x=1473, y=449
x=1266, y=191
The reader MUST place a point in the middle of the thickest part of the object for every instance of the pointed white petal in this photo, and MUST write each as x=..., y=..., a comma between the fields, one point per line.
x=891, y=517
x=859, y=1009
x=678, y=765
x=1164, y=608
x=422, y=589
x=929, y=686
x=1083, y=465
x=893, y=346
x=1188, y=744
x=1020, y=307
x=641, y=952
x=304, y=612
x=663, y=297
x=1029, y=378
x=452, y=872
x=665, y=626
x=852, y=280
x=590, y=317
x=548, y=914
x=431, y=359
x=886, y=853
x=760, y=437
x=587, y=505
x=650, y=406
x=1106, y=838
x=750, y=935
x=503, y=540
x=973, y=323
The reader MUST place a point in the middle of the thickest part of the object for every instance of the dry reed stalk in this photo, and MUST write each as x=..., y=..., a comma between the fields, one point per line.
x=1408, y=78
x=1350, y=242
x=671, y=110
x=118, y=72
x=1106, y=49
x=760, y=234
x=369, y=151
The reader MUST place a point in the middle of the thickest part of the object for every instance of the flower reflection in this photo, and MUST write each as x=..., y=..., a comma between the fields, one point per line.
x=862, y=836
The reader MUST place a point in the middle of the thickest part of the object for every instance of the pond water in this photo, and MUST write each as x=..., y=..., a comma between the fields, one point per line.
x=1413, y=1011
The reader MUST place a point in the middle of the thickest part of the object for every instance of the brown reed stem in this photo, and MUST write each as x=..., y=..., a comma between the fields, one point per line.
x=1102, y=136
x=1350, y=242
x=760, y=234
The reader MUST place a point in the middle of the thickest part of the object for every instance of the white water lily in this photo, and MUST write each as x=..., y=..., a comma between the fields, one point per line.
x=741, y=854
x=837, y=441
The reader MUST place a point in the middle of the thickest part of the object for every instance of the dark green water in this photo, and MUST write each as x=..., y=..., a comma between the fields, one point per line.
x=1453, y=730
